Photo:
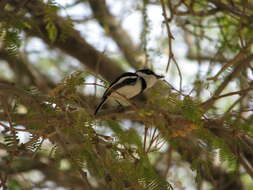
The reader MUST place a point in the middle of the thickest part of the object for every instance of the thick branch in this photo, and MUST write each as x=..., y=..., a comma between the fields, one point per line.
x=61, y=177
x=215, y=126
x=73, y=44
x=113, y=28
x=26, y=74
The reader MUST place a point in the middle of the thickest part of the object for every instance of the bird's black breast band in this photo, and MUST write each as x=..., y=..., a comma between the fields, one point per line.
x=143, y=84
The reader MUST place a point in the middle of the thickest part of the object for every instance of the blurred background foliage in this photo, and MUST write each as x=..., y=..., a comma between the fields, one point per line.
x=191, y=131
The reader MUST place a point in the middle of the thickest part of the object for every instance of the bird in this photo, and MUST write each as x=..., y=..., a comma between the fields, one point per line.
x=129, y=85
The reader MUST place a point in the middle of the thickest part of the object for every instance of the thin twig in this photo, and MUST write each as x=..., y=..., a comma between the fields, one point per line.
x=173, y=88
x=145, y=33
x=246, y=165
x=230, y=94
x=94, y=84
x=145, y=138
x=233, y=61
x=242, y=64
x=170, y=38
x=232, y=106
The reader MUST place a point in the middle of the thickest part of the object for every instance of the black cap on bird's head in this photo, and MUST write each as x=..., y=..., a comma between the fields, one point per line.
x=149, y=72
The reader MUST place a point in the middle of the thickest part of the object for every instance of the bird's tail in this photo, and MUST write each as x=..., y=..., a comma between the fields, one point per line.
x=100, y=105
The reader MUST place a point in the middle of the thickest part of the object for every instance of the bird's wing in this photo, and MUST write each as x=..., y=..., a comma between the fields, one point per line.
x=100, y=105
x=122, y=80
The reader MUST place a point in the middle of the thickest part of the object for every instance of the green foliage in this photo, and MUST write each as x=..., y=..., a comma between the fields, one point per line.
x=12, y=41
x=51, y=29
x=93, y=162
x=11, y=140
x=10, y=32
x=49, y=19
x=190, y=110
x=228, y=33
x=51, y=24
x=247, y=180
x=127, y=137
x=150, y=179
x=200, y=166
x=225, y=154
x=35, y=143
x=67, y=88
x=14, y=185
x=110, y=152
x=246, y=127
x=240, y=126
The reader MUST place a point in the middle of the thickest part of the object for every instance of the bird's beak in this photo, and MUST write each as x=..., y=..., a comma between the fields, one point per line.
x=159, y=76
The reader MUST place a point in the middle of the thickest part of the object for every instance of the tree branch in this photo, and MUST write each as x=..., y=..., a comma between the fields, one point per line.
x=26, y=74
x=238, y=68
x=113, y=28
x=72, y=44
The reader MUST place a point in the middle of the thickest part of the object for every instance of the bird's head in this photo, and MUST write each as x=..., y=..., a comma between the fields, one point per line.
x=149, y=76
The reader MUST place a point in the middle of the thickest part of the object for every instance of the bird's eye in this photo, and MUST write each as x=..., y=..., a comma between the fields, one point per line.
x=149, y=72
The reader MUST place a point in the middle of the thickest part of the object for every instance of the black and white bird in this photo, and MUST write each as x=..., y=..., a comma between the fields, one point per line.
x=129, y=85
